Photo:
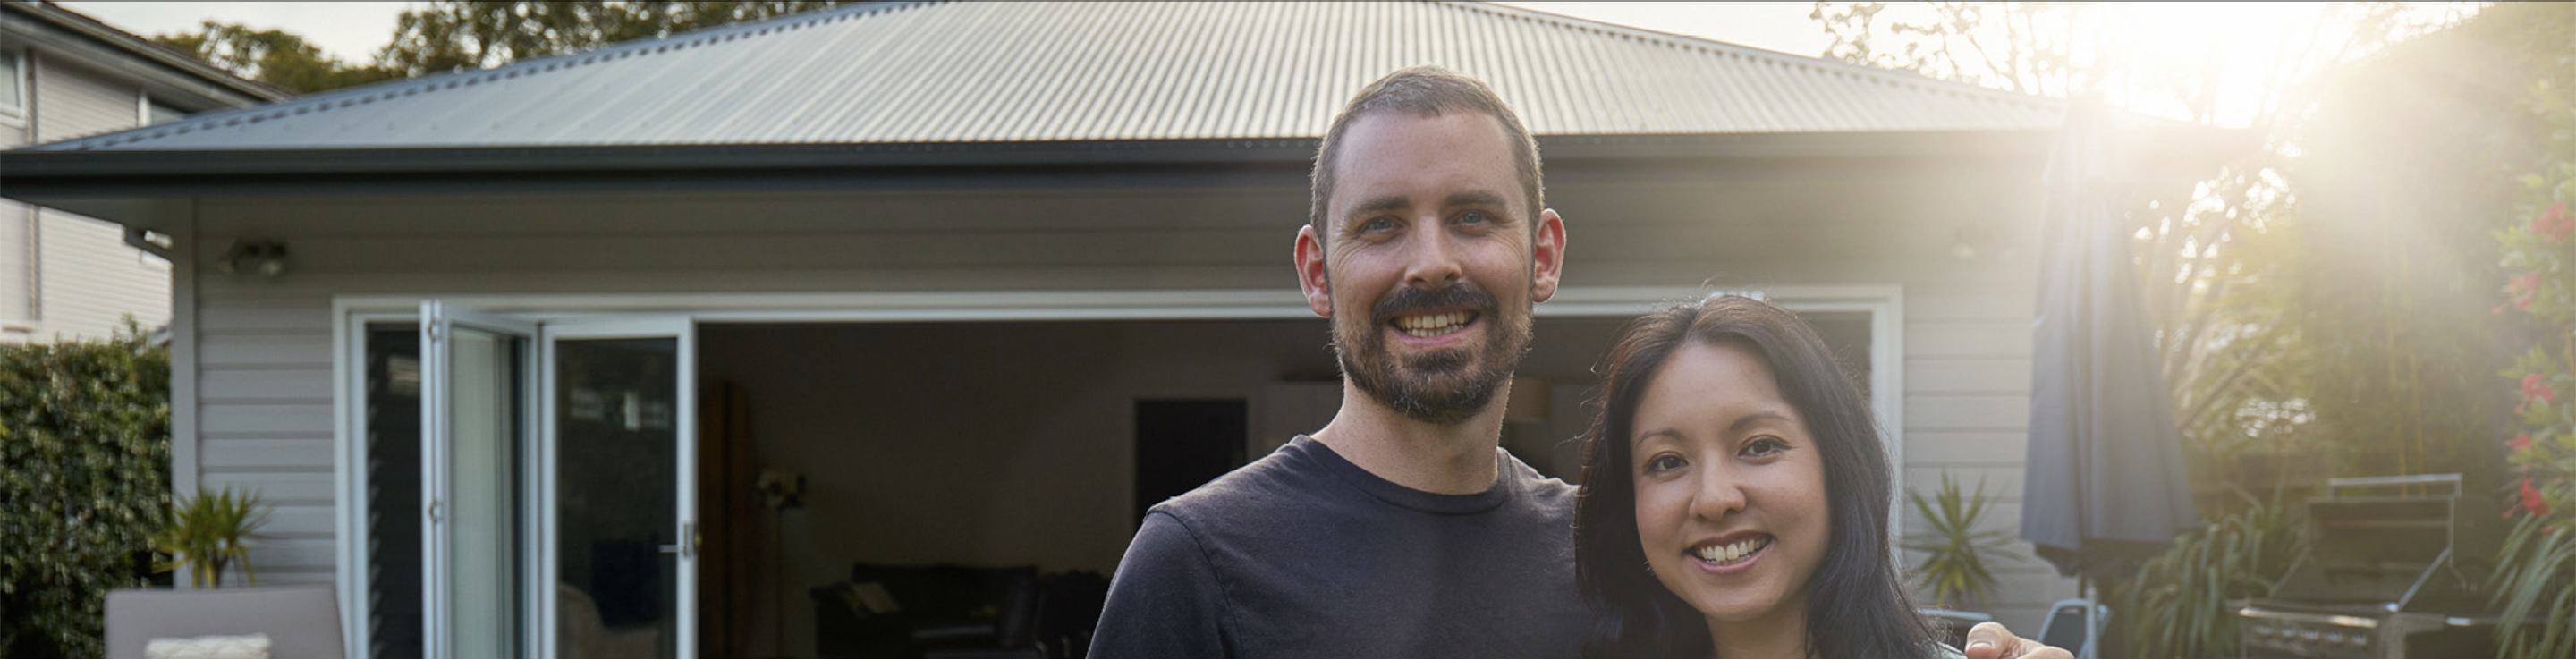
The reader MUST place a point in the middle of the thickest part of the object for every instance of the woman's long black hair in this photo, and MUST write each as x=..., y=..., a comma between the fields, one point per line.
x=1856, y=605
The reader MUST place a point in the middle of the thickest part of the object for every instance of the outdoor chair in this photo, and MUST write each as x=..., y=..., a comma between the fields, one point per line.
x=300, y=621
x=2075, y=624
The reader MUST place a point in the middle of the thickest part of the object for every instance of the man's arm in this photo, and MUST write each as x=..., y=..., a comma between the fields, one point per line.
x=1165, y=601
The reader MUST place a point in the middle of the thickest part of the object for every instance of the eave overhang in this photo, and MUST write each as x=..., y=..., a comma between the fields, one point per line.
x=108, y=184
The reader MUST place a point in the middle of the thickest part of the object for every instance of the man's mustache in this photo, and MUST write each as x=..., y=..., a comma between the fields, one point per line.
x=1409, y=300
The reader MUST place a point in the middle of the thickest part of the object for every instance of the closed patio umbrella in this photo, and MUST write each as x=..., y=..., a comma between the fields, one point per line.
x=2105, y=487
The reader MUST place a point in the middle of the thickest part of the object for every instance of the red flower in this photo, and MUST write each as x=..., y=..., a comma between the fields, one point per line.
x=2533, y=388
x=2554, y=226
x=2531, y=499
x=2529, y=285
x=2518, y=443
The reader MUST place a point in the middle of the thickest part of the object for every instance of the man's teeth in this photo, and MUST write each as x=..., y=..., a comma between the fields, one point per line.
x=1731, y=552
x=1432, y=324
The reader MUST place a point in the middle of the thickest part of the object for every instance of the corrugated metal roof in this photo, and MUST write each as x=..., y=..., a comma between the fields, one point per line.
x=1014, y=72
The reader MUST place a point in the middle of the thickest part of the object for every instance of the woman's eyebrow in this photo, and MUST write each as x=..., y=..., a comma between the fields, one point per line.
x=1756, y=419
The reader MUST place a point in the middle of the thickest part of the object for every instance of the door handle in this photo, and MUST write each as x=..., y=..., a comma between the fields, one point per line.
x=689, y=540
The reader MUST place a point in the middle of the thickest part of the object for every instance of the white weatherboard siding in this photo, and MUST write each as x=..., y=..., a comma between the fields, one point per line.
x=263, y=346
x=65, y=276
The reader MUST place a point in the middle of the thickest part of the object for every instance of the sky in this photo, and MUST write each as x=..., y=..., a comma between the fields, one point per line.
x=353, y=31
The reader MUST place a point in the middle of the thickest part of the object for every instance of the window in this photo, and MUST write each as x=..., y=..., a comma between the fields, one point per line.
x=13, y=84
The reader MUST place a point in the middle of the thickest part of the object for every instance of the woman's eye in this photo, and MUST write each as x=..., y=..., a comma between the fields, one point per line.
x=1664, y=463
x=1765, y=447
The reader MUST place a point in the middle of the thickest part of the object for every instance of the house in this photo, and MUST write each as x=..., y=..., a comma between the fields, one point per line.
x=509, y=347
x=64, y=75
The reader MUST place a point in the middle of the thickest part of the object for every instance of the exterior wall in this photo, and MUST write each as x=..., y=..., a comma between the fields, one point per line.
x=64, y=276
x=262, y=355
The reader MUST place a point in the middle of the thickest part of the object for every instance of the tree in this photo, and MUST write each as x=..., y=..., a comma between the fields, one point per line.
x=275, y=57
x=2223, y=260
x=453, y=35
x=480, y=35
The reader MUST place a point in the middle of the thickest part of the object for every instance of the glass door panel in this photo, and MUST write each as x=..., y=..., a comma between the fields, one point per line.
x=475, y=451
x=623, y=547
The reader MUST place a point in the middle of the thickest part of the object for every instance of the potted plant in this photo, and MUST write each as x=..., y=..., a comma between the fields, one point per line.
x=1957, y=545
x=210, y=532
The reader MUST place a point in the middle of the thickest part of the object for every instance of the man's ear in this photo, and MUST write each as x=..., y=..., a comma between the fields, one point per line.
x=1547, y=256
x=1311, y=276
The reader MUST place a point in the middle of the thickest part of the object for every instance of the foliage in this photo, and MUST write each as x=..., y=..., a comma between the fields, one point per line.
x=478, y=35
x=84, y=481
x=210, y=532
x=271, y=56
x=2176, y=605
x=451, y=35
x=2535, y=580
x=1957, y=545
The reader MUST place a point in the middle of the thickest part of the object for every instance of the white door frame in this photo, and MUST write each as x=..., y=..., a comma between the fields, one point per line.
x=350, y=314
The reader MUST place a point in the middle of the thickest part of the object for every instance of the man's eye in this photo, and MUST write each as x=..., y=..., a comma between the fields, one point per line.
x=1664, y=463
x=1474, y=218
x=1378, y=224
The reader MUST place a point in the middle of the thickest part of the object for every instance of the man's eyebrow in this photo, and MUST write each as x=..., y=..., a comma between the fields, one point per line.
x=1479, y=198
x=1380, y=204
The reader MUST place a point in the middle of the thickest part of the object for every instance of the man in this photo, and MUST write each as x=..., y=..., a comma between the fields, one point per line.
x=1400, y=529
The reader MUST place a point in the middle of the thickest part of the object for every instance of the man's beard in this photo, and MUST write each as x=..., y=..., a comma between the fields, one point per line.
x=1443, y=387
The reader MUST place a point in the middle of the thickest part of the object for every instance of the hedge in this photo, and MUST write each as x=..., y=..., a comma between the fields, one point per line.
x=84, y=480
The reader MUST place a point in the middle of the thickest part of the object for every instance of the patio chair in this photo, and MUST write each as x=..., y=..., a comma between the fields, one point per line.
x=300, y=621
x=2075, y=624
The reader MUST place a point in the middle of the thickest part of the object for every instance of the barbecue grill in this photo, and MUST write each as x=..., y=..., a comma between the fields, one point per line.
x=2392, y=570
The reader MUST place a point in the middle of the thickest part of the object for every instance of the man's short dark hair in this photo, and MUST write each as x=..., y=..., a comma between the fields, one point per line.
x=1427, y=91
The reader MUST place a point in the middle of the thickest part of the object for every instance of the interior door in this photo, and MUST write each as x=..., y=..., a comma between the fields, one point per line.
x=478, y=402
x=620, y=421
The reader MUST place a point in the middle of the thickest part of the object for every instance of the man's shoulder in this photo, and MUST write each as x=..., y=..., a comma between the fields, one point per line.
x=1276, y=480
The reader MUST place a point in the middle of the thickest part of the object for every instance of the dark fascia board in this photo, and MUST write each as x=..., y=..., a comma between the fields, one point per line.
x=100, y=45
x=86, y=178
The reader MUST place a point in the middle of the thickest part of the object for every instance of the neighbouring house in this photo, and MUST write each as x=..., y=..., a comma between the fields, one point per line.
x=65, y=276
x=531, y=358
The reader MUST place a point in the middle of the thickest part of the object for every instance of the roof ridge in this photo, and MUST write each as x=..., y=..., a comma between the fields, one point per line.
x=1817, y=64
x=454, y=78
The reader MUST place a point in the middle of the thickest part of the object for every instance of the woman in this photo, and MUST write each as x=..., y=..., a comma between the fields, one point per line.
x=1732, y=480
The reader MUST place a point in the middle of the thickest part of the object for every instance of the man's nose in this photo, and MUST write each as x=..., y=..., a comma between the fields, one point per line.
x=1719, y=493
x=1434, y=258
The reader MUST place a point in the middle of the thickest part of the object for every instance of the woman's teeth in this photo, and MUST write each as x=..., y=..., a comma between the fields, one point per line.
x=1731, y=552
x=1432, y=325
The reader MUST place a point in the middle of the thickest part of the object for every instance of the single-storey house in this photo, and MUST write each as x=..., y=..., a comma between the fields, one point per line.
x=631, y=350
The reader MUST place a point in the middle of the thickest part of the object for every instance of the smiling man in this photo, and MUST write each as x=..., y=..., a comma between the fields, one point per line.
x=1400, y=529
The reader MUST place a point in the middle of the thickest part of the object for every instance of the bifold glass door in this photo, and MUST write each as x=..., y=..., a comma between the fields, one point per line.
x=621, y=417
x=476, y=422
x=559, y=486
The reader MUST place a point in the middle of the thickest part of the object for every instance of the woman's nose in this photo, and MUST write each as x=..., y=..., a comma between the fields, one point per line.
x=1719, y=494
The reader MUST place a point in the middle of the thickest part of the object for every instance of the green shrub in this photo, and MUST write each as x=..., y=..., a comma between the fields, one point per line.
x=84, y=483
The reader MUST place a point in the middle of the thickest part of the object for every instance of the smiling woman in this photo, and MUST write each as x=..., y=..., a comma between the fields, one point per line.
x=1740, y=465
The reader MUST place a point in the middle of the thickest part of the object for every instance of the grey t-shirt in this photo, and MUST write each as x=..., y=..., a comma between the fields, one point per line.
x=1303, y=554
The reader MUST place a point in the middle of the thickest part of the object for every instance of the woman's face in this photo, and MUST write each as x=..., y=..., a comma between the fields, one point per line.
x=1730, y=486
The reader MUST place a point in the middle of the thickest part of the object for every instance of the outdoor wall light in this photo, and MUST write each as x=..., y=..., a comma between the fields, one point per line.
x=268, y=258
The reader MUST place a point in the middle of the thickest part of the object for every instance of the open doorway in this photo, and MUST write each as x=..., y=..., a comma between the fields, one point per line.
x=1006, y=448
